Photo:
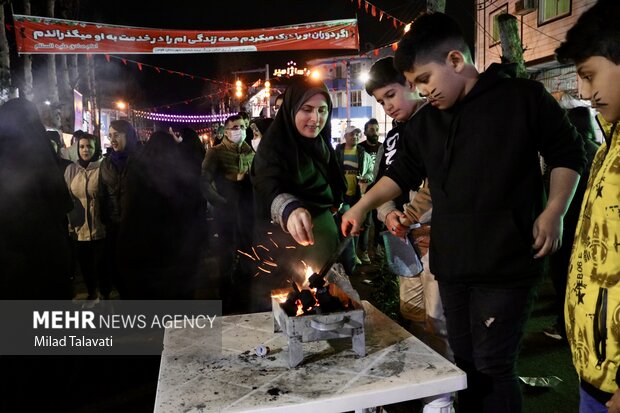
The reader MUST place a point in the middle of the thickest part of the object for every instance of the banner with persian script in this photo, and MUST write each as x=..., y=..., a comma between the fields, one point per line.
x=43, y=35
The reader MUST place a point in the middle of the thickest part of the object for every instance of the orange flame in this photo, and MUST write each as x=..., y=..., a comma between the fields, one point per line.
x=300, y=308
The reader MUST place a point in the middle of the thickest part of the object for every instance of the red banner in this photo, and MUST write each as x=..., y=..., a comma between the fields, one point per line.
x=47, y=36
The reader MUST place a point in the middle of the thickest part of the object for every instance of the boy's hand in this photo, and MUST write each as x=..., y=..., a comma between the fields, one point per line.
x=547, y=233
x=352, y=222
x=299, y=225
x=394, y=223
x=614, y=403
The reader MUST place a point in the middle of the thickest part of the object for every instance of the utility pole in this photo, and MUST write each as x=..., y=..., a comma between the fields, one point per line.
x=348, y=91
x=268, y=111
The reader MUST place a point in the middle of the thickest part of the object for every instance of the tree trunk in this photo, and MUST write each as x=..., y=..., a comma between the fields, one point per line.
x=65, y=93
x=92, y=81
x=64, y=82
x=72, y=67
x=5, y=62
x=436, y=6
x=512, y=50
x=26, y=59
x=52, y=82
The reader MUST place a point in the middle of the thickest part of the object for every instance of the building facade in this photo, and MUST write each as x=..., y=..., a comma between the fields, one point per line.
x=344, y=77
x=542, y=27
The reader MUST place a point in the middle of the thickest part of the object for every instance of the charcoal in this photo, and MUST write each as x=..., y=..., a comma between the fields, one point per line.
x=289, y=307
x=316, y=281
x=307, y=299
x=327, y=302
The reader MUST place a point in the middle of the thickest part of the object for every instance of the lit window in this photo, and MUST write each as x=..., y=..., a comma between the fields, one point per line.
x=356, y=98
x=552, y=9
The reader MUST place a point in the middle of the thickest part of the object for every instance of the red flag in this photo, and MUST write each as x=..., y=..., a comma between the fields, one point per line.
x=394, y=22
x=373, y=11
x=107, y=57
x=375, y=52
x=366, y=6
x=359, y=4
x=124, y=61
x=394, y=46
x=139, y=66
x=157, y=69
x=380, y=15
x=170, y=71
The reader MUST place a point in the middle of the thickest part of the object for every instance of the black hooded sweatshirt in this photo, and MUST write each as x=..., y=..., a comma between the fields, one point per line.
x=481, y=159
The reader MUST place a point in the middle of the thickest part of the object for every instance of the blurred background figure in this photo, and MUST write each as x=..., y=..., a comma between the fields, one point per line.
x=124, y=144
x=156, y=258
x=34, y=247
x=581, y=119
x=225, y=183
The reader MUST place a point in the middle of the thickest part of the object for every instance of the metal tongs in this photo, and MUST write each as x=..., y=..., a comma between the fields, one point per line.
x=317, y=280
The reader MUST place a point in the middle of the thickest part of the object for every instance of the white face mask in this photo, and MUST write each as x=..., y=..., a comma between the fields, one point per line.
x=236, y=135
x=255, y=143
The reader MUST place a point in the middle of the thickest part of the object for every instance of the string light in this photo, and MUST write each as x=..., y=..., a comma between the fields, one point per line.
x=166, y=117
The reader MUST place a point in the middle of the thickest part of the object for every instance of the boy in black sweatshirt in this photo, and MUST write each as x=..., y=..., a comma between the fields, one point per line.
x=477, y=142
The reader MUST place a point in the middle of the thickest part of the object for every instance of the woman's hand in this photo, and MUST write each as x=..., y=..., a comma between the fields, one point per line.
x=299, y=225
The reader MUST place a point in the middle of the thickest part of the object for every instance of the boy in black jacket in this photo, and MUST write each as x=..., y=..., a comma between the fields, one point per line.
x=477, y=142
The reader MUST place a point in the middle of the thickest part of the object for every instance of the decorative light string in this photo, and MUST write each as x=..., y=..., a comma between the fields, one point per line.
x=166, y=117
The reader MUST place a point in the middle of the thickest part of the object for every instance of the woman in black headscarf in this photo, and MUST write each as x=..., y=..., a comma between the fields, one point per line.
x=297, y=180
x=154, y=259
x=34, y=201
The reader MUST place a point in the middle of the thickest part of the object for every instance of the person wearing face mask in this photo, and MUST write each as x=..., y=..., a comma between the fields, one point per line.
x=85, y=225
x=226, y=185
x=259, y=127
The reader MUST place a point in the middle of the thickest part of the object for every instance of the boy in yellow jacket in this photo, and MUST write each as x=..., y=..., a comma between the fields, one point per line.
x=593, y=290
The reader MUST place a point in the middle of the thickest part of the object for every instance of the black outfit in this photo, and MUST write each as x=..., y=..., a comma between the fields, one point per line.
x=481, y=160
x=155, y=259
x=34, y=249
x=558, y=262
x=308, y=171
x=371, y=149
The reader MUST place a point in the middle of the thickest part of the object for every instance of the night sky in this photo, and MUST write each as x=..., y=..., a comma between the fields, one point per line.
x=147, y=88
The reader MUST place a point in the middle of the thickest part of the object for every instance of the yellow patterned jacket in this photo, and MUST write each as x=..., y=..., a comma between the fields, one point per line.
x=593, y=290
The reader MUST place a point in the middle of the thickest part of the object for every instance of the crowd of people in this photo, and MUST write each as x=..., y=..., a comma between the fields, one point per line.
x=480, y=211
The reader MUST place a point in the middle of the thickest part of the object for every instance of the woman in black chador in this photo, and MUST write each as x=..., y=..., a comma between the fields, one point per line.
x=160, y=203
x=34, y=201
x=298, y=184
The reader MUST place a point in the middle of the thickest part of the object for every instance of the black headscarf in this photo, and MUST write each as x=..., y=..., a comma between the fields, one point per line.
x=287, y=162
x=34, y=201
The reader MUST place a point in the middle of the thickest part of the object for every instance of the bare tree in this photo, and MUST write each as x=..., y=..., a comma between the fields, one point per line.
x=26, y=62
x=65, y=90
x=52, y=83
x=92, y=85
x=5, y=62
